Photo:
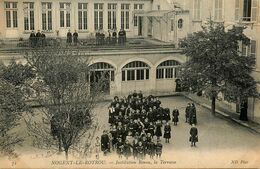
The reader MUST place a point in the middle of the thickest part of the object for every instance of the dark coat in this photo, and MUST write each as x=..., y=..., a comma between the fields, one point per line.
x=151, y=148
x=187, y=112
x=158, y=148
x=151, y=129
x=69, y=37
x=194, y=134
x=192, y=115
x=158, y=130
x=120, y=148
x=175, y=115
x=104, y=142
x=167, y=132
x=75, y=37
x=127, y=150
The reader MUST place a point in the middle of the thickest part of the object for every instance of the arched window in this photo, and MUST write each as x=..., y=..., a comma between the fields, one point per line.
x=180, y=23
x=135, y=70
x=167, y=70
x=102, y=67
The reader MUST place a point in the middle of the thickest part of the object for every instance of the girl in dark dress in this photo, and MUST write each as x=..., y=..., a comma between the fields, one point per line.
x=127, y=149
x=151, y=129
x=175, y=116
x=167, y=132
x=120, y=148
x=135, y=145
x=158, y=130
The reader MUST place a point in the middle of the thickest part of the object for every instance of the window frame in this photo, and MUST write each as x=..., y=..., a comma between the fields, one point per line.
x=82, y=16
x=218, y=10
x=11, y=15
x=99, y=16
x=112, y=16
x=167, y=70
x=125, y=16
x=180, y=24
x=135, y=71
x=197, y=10
x=137, y=7
x=66, y=18
x=47, y=25
x=29, y=21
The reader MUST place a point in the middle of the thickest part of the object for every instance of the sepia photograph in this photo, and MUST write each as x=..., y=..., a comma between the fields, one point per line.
x=129, y=84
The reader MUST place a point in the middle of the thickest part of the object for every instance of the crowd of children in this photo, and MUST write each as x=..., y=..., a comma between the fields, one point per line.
x=137, y=125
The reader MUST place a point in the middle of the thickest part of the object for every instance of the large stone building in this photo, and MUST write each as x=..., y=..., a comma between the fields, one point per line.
x=150, y=70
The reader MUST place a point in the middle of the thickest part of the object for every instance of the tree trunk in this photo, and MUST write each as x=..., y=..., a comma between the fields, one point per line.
x=213, y=106
x=67, y=153
x=59, y=140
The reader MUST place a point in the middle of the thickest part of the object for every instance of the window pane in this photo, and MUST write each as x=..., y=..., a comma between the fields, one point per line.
x=80, y=20
x=123, y=75
x=67, y=19
x=85, y=19
x=7, y=5
x=130, y=74
x=169, y=73
x=49, y=20
x=147, y=74
x=8, y=19
x=61, y=18
x=140, y=74
x=15, y=21
x=44, y=24
x=112, y=76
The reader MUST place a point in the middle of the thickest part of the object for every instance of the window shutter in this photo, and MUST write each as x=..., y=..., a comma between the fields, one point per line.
x=254, y=11
x=216, y=10
x=240, y=47
x=237, y=10
x=253, y=48
x=220, y=9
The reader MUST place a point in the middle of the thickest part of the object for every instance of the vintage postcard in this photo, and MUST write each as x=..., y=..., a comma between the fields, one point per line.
x=129, y=84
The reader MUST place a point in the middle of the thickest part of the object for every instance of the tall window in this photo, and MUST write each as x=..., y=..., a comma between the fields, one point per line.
x=65, y=10
x=180, y=23
x=125, y=9
x=28, y=8
x=218, y=10
x=112, y=16
x=46, y=16
x=11, y=14
x=253, y=48
x=249, y=50
x=102, y=67
x=237, y=10
x=82, y=16
x=197, y=7
x=98, y=16
x=167, y=70
x=137, y=7
x=246, y=10
x=135, y=71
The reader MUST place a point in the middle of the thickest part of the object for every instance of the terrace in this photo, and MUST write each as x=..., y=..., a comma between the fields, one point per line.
x=132, y=44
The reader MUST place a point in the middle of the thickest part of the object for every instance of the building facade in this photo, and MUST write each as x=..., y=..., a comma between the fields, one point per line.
x=165, y=20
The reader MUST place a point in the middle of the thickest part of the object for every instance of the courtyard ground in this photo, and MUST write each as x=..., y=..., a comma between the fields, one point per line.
x=222, y=143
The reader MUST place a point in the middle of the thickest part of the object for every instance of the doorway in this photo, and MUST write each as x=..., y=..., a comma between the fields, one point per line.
x=101, y=76
x=140, y=26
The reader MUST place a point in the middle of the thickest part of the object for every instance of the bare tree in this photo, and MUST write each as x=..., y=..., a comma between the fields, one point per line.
x=62, y=90
x=13, y=79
